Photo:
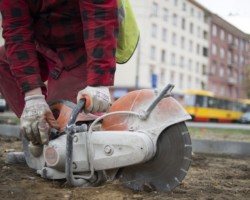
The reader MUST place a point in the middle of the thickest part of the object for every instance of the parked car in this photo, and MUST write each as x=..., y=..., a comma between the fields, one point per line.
x=3, y=104
x=245, y=118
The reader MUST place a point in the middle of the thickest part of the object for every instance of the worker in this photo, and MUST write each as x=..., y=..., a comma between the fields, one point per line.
x=56, y=50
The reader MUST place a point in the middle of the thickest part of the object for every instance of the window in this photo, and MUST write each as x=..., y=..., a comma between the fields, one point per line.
x=214, y=30
x=205, y=35
x=154, y=30
x=199, y=14
x=214, y=49
x=203, y=84
x=184, y=6
x=236, y=58
x=164, y=34
x=165, y=15
x=201, y=101
x=205, y=52
x=236, y=41
x=155, y=9
x=190, y=63
x=181, y=81
x=221, y=71
x=191, y=27
x=151, y=72
x=202, y=16
x=204, y=69
x=189, y=82
x=163, y=56
x=229, y=57
x=222, y=52
x=183, y=23
x=190, y=48
x=175, y=18
x=197, y=69
x=172, y=77
x=213, y=69
x=152, y=52
x=230, y=38
x=163, y=76
x=181, y=61
x=182, y=42
x=242, y=44
x=176, y=2
x=192, y=11
x=231, y=73
x=174, y=39
x=222, y=35
x=198, y=49
x=213, y=102
x=189, y=100
x=198, y=32
x=242, y=60
x=206, y=18
x=173, y=62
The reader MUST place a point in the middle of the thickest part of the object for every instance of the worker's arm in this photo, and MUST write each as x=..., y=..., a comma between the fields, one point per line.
x=100, y=28
x=18, y=33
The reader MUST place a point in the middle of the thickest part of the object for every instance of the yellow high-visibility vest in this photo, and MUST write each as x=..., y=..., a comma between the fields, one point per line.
x=129, y=32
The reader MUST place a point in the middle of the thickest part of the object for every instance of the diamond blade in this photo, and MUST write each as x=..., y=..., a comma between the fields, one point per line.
x=168, y=167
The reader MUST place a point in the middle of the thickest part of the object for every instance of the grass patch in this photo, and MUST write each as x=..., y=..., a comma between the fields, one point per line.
x=11, y=121
x=219, y=134
x=218, y=131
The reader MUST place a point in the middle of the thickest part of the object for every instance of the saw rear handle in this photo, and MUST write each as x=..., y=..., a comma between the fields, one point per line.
x=70, y=131
x=163, y=93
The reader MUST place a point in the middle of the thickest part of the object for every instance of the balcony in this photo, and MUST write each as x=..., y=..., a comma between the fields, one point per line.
x=230, y=64
x=231, y=46
x=232, y=81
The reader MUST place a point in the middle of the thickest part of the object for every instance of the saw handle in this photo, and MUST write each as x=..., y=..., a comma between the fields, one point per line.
x=165, y=92
x=71, y=180
x=77, y=109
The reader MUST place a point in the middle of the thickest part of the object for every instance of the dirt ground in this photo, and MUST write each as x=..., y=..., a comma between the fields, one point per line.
x=210, y=177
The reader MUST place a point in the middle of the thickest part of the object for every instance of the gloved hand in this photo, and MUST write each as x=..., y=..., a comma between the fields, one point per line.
x=37, y=119
x=97, y=98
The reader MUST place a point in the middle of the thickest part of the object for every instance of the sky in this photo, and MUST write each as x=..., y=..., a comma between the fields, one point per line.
x=237, y=12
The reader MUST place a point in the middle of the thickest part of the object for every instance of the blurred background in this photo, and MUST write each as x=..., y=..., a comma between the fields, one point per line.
x=202, y=47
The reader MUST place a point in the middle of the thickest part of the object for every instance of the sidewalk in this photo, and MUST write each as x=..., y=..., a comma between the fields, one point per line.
x=8, y=117
x=7, y=114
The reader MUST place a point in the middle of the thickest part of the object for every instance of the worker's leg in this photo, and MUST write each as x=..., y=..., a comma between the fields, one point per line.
x=67, y=85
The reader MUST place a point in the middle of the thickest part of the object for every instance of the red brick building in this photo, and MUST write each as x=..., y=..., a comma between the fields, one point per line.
x=228, y=59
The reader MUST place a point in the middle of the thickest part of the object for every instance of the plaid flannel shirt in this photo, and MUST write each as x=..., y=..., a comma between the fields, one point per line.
x=79, y=32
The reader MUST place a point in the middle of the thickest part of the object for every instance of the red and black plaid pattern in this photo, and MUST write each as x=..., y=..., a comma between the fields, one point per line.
x=80, y=32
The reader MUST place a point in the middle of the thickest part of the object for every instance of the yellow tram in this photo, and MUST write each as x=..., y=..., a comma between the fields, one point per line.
x=245, y=104
x=204, y=106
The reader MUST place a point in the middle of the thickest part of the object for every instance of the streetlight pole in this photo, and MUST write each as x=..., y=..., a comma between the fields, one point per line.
x=137, y=65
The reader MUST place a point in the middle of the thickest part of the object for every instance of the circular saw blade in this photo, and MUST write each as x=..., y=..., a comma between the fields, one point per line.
x=167, y=168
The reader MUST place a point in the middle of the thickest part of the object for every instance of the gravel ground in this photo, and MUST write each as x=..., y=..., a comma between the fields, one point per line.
x=209, y=177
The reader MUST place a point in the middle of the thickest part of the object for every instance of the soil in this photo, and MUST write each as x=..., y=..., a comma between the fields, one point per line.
x=209, y=177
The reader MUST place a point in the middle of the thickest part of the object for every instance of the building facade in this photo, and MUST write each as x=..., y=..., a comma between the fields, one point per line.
x=229, y=58
x=173, y=46
x=183, y=43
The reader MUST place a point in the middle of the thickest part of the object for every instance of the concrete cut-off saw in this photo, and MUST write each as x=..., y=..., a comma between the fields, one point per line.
x=142, y=141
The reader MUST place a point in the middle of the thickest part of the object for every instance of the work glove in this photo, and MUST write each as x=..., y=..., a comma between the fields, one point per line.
x=36, y=120
x=97, y=99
